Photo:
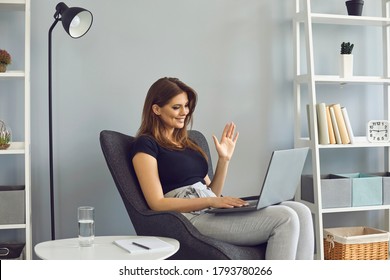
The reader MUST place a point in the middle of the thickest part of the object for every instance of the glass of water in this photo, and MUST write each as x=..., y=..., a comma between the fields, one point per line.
x=86, y=218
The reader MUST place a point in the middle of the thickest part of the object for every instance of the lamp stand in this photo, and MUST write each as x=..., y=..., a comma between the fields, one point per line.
x=52, y=210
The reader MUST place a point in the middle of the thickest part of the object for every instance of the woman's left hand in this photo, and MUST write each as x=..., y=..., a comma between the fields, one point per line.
x=225, y=147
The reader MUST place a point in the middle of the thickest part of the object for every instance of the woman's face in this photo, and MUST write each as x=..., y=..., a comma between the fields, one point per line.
x=174, y=113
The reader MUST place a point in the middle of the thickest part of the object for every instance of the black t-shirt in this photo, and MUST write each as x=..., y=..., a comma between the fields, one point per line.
x=176, y=168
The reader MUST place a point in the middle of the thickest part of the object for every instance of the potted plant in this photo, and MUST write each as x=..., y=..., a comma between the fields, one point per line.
x=346, y=60
x=354, y=7
x=5, y=59
x=5, y=136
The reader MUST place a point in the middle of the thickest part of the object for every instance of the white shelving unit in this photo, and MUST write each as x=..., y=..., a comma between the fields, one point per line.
x=20, y=148
x=304, y=20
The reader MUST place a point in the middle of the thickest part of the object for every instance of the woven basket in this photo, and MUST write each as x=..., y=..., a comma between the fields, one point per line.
x=356, y=243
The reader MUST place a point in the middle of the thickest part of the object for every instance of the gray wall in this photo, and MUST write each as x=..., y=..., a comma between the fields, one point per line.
x=236, y=53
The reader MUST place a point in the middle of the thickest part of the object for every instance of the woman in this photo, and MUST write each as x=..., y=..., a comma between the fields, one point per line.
x=172, y=172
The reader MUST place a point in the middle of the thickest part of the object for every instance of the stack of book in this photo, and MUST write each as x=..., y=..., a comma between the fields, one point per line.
x=333, y=123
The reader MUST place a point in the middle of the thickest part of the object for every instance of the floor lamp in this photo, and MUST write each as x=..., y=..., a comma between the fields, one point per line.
x=76, y=22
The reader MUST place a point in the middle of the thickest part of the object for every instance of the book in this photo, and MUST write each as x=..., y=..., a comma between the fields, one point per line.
x=323, y=134
x=308, y=107
x=332, y=138
x=341, y=124
x=143, y=245
x=335, y=127
x=348, y=124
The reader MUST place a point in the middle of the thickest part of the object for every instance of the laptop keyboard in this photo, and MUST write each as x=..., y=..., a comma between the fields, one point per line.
x=251, y=203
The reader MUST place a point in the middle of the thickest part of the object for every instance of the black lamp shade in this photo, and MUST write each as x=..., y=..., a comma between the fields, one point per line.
x=76, y=21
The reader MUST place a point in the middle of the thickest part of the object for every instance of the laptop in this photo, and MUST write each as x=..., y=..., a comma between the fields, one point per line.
x=280, y=182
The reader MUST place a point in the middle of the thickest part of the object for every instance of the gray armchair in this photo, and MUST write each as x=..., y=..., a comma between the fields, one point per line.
x=193, y=245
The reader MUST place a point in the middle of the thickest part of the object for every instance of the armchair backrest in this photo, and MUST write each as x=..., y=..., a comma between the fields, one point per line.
x=116, y=150
x=202, y=142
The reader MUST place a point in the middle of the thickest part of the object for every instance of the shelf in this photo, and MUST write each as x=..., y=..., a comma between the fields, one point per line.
x=333, y=79
x=11, y=13
x=359, y=142
x=356, y=209
x=344, y=19
x=346, y=209
x=13, y=226
x=303, y=21
x=15, y=148
x=20, y=2
x=12, y=74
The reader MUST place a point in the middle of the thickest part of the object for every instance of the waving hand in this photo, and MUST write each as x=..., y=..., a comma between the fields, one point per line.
x=225, y=147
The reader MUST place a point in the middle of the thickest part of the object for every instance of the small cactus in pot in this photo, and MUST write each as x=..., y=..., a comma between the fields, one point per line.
x=346, y=48
x=346, y=60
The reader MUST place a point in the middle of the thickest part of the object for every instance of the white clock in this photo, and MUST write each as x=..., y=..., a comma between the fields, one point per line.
x=378, y=131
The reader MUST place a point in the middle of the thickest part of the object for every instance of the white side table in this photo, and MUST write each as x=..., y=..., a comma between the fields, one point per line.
x=103, y=249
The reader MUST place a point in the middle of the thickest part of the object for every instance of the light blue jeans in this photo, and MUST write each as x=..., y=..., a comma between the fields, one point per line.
x=287, y=227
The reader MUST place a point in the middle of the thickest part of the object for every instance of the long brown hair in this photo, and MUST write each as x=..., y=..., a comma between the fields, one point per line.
x=160, y=93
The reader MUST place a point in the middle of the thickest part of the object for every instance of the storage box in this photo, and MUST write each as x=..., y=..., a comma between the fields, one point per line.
x=335, y=191
x=356, y=243
x=11, y=251
x=385, y=187
x=12, y=209
x=366, y=189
